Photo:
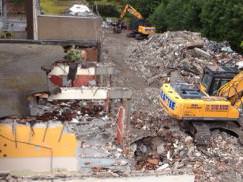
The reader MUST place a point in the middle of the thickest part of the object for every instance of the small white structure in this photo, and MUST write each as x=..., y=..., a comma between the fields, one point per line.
x=80, y=10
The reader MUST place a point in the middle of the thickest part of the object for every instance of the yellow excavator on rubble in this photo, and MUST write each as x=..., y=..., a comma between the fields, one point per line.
x=216, y=104
x=140, y=30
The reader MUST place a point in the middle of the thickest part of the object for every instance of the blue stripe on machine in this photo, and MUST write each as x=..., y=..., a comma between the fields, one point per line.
x=171, y=104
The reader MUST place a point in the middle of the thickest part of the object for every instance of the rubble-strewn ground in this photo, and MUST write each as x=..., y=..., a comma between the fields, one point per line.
x=157, y=143
x=180, y=52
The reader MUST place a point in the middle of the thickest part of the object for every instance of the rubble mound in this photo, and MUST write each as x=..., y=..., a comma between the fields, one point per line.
x=180, y=55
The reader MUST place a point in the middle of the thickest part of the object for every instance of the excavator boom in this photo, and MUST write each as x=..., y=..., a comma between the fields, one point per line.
x=132, y=11
x=233, y=90
x=141, y=30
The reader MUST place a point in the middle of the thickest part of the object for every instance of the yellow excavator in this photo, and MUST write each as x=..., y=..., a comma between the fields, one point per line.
x=215, y=104
x=140, y=30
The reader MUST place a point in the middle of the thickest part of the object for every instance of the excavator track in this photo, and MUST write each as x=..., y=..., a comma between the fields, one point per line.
x=201, y=130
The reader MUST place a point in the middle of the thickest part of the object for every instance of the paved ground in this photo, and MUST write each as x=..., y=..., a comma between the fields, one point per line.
x=116, y=47
x=21, y=74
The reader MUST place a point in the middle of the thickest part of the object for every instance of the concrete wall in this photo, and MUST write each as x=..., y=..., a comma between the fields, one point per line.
x=37, y=149
x=39, y=164
x=68, y=28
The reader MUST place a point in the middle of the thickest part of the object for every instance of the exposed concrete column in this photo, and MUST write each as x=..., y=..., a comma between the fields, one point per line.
x=120, y=126
x=35, y=20
x=123, y=125
x=31, y=15
x=126, y=104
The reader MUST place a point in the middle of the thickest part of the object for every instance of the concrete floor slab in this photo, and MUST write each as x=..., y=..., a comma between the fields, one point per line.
x=181, y=178
x=21, y=74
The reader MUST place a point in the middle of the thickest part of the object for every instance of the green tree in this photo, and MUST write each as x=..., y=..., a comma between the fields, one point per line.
x=177, y=15
x=192, y=11
x=223, y=20
x=158, y=18
x=216, y=19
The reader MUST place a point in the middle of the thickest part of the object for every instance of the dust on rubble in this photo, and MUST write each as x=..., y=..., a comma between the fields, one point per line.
x=185, y=53
x=157, y=143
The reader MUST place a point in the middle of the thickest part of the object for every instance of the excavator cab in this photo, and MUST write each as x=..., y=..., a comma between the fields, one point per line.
x=215, y=77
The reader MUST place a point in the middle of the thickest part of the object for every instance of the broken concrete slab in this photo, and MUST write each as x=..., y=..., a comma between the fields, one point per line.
x=91, y=93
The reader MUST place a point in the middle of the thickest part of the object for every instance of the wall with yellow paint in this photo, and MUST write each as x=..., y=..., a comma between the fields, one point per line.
x=39, y=141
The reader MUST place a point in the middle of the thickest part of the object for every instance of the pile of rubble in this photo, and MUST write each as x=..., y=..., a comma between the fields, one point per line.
x=94, y=127
x=172, y=151
x=157, y=143
x=181, y=54
x=71, y=111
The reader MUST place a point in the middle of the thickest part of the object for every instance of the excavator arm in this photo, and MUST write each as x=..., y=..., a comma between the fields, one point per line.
x=131, y=10
x=233, y=90
x=141, y=30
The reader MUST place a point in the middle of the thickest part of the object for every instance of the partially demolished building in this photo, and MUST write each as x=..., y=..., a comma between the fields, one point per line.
x=72, y=124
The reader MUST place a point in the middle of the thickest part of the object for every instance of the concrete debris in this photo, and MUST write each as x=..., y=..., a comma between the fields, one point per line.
x=173, y=151
x=157, y=142
x=67, y=111
x=164, y=166
x=93, y=126
x=216, y=47
x=183, y=52
x=188, y=140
